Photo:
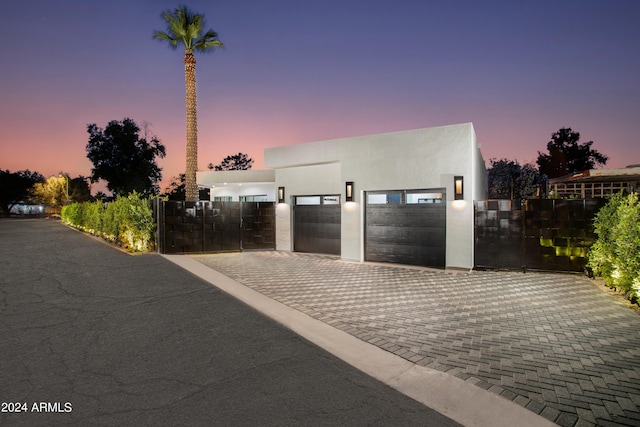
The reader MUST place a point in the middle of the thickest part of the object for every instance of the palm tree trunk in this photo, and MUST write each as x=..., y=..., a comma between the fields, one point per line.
x=191, y=187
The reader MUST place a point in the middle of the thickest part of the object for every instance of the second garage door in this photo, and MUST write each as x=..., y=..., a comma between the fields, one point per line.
x=406, y=227
x=316, y=222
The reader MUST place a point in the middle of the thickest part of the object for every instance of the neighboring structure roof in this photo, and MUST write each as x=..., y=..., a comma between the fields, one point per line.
x=630, y=173
x=596, y=183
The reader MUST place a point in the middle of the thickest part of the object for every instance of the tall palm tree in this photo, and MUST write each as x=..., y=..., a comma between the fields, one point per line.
x=186, y=28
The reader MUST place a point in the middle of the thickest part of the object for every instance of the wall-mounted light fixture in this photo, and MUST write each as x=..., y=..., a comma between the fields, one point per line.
x=349, y=191
x=457, y=188
x=280, y=194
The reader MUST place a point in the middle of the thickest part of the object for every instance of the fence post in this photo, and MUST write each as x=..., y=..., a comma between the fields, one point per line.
x=159, y=224
x=202, y=228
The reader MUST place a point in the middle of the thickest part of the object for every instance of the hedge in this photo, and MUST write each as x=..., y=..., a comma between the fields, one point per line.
x=615, y=256
x=128, y=221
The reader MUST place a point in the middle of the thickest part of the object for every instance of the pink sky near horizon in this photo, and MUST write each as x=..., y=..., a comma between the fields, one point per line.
x=295, y=72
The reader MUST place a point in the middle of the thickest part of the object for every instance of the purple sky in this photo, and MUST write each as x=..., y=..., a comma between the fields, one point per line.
x=297, y=71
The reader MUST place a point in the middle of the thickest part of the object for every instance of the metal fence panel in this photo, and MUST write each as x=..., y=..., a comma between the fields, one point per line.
x=544, y=234
x=196, y=227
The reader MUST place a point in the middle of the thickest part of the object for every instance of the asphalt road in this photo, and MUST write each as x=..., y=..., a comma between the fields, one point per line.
x=90, y=335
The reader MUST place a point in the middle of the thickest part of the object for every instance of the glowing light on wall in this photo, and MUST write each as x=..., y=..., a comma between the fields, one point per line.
x=458, y=188
x=458, y=205
x=349, y=191
x=280, y=194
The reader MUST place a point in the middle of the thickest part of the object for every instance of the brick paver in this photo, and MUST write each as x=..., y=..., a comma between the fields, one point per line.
x=553, y=343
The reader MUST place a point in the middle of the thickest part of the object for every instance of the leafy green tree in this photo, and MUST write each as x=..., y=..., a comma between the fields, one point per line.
x=185, y=28
x=54, y=192
x=175, y=190
x=79, y=190
x=234, y=162
x=15, y=187
x=124, y=159
x=508, y=180
x=567, y=156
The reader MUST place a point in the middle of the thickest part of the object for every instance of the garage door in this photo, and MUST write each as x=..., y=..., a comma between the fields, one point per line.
x=316, y=222
x=406, y=227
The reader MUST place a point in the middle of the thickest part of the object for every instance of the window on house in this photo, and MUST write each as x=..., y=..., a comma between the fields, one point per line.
x=330, y=200
x=390, y=198
x=419, y=198
x=317, y=200
x=258, y=198
x=307, y=200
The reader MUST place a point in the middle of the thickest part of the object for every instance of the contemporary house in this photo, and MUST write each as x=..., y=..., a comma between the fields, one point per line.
x=402, y=197
x=596, y=183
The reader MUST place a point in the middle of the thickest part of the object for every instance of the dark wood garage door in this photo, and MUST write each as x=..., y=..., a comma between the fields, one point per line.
x=317, y=224
x=406, y=227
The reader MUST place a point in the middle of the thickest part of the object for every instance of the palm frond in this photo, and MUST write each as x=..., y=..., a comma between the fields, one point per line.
x=208, y=41
x=186, y=27
x=164, y=36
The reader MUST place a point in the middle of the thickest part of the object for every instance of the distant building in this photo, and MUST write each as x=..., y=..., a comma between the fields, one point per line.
x=27, y=209
x=596, y=183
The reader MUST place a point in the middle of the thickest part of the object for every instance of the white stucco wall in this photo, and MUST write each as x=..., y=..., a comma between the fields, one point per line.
x=310, y=180
x=414, y=159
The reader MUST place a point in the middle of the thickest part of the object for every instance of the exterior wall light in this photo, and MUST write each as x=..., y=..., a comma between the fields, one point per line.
x=457, y=188
x=280, y=194
x=349, y=191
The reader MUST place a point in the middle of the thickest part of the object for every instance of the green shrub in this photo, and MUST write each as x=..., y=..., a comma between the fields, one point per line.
x=92, y=218
x=616, y=253
x=111, y=220
x=70, y=213
x=136, y=224
x=626, y=234
x=602, y=253
x=127, y=221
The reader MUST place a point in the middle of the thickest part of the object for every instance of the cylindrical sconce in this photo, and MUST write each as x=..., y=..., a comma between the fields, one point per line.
x=280, y=194
x=349, y=191
x=457, y=188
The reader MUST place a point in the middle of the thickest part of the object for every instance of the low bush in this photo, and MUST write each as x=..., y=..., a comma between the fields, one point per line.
x=615, y=256
x=128, y=221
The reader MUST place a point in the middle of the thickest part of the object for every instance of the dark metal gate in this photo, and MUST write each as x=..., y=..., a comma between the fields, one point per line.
x=546, y=234
x=402, y=230
x=192, y=227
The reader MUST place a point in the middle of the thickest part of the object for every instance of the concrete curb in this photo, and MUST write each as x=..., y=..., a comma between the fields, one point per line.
x=463, y=402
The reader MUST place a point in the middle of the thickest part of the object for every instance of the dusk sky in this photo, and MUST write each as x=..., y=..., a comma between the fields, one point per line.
x=296, y=71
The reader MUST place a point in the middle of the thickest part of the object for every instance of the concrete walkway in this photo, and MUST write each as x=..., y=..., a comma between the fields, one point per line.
x=555, y=344
x=92, y=336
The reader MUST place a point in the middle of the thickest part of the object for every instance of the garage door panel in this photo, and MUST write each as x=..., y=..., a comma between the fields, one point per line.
x=319, y=245
x=405, y=235
x=317, y=229
x=411, y=234
x=404, y=254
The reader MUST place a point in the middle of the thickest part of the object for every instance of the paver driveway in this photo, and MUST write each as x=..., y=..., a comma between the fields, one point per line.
x=553, y=343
